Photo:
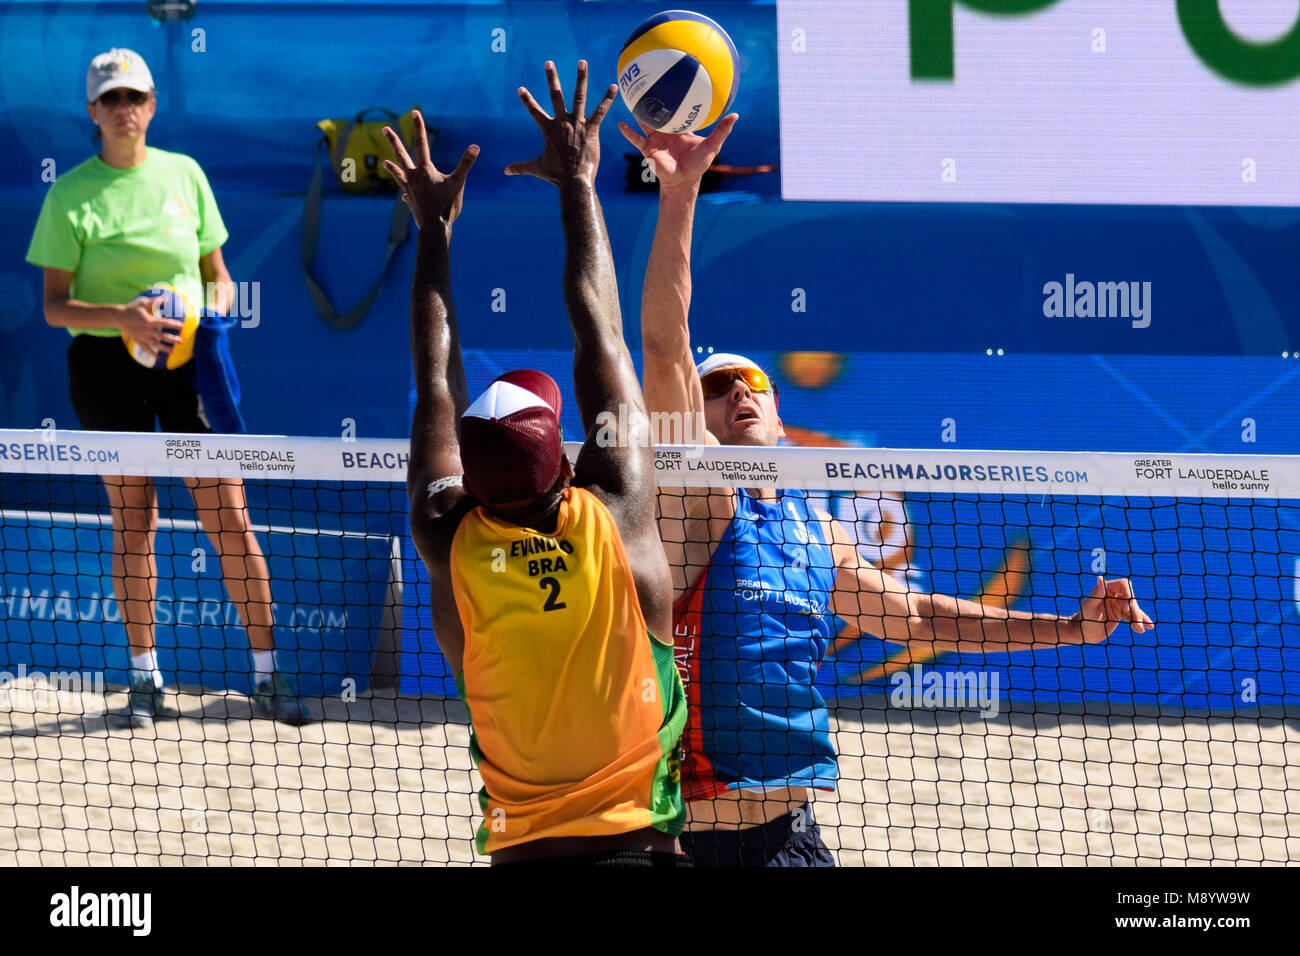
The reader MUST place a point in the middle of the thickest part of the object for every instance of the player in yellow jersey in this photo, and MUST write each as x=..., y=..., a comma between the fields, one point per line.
x=552, y=599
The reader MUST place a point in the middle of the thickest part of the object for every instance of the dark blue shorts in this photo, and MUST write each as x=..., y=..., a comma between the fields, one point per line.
x=791, y=840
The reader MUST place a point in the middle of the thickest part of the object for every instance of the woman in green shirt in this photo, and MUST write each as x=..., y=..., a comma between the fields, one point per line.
x=119, y=223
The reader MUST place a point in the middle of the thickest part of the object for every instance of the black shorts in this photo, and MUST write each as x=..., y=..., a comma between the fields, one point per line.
x=112, y=392
x=790, y=840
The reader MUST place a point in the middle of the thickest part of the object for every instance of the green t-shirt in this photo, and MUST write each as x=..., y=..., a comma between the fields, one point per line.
x=120, y=231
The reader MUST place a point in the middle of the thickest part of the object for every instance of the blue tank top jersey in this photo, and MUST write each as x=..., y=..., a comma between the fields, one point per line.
x=750, y=634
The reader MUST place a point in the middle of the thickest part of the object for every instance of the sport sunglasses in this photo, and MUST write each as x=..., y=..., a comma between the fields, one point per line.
x=719, y=382
x=113, y=97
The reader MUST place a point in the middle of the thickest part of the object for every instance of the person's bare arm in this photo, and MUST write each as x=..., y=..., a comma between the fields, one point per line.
x=691, y=520
x=440, y=391
x=617, y=454
x=433, y=480
x=155, y=332
x=877, y=604
x=671, y=384
x=218, y=287
x=679, y=161
x=616, y=463
x=604, y=380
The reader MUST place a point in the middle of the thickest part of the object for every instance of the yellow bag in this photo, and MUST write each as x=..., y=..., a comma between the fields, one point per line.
x=358, y=148
x=357, y=151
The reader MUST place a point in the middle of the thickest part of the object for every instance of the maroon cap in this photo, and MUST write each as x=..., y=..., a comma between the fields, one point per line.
x=510, y=443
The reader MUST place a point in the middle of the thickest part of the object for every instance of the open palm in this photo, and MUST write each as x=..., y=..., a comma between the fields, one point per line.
x=680, y=158
x=571, y=138
x=430, y=194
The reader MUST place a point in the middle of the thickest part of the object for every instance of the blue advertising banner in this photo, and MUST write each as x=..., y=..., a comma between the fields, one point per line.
x=57, y=610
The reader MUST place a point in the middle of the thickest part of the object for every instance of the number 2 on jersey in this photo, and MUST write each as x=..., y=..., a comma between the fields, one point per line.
x=552, y=601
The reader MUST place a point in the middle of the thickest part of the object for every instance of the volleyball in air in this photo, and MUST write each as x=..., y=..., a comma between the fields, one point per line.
x=169, y=303
x=678, y=72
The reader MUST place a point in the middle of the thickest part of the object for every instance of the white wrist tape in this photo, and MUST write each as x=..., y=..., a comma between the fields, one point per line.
x=442, y=484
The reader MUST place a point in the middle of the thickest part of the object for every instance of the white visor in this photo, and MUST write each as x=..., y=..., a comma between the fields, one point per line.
x=725, y=360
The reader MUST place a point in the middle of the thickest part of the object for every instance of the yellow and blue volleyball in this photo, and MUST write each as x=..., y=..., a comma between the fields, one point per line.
x=678, y=72
x=170, y=303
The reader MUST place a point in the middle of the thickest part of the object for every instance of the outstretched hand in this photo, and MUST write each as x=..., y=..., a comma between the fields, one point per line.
x=433, y=197
x=1109, y=604
x=680, y=158
x=571, y=148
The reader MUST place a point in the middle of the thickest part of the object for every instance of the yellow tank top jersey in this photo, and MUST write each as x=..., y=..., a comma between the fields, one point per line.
x=576, y=709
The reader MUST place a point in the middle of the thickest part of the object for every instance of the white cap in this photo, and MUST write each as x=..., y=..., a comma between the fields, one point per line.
x=117, y=69
x=725, y=360
x=502, y=399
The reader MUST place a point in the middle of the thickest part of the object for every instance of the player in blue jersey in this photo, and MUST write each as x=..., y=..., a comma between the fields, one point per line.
x=759, y=577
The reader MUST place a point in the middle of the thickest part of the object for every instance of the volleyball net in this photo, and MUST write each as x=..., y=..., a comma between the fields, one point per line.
x=1174, y=745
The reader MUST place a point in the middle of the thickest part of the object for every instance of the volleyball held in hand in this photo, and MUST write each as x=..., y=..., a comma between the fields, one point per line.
x=170, y=303
x=678, y=72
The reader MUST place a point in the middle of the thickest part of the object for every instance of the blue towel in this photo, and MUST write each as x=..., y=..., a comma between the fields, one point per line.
x=214, y=373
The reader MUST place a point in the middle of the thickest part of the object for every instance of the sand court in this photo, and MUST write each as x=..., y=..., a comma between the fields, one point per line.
x=387, y=781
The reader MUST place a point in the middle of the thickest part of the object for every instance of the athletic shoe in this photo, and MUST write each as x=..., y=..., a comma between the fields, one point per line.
x=275, y=699
x=147, y=704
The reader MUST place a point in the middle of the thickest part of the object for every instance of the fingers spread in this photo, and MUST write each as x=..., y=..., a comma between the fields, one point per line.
x=398, y=174
x=580, y=90
x=421, y=140
x=603, y=108
x=538, y=114
x=557, y=95
x=722, y=131
x=399, y=150
x=467, y=159
x=638, y=142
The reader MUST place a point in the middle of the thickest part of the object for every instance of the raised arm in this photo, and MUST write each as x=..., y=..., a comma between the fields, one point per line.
x=617, y=461
x=878, y=604
x=617, y=457
x=679, y=161
x=432, y=481
x=433, y=477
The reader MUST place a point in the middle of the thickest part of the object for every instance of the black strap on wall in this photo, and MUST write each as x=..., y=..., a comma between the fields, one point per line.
x=398, y=232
